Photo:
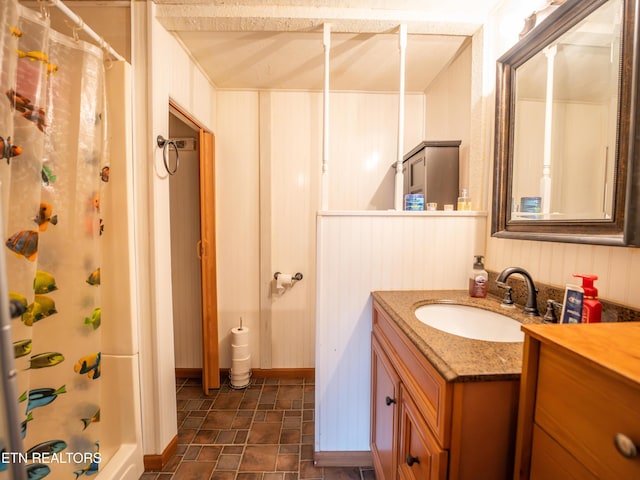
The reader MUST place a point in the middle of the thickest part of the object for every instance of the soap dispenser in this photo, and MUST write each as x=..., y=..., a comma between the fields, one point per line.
x=591, y=306
x=478, y=279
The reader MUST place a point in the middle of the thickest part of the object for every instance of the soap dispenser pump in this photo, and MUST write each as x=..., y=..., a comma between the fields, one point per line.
x=591, y=306
x=478, y=279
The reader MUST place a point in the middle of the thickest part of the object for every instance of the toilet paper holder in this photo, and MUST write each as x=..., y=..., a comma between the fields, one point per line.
x=297, y=277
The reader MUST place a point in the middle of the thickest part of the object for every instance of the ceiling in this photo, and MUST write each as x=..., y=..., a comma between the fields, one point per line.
x=278, y=44
x=295, y=60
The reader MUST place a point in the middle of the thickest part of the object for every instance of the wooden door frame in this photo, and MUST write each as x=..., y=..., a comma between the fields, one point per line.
x=206, y=250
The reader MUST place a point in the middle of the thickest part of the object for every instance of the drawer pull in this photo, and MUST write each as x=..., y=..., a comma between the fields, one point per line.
x=389, y=401
x=625, y=446
x=411, y=460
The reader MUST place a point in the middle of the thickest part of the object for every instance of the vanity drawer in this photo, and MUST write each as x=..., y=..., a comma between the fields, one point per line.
x=550, y=460
x=429, y=390
x=583, y=406
x=420, y=457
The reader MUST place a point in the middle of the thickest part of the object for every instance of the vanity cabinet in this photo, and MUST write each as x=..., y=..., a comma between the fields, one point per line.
x=384, y=411
x=580, y=389
x=420, y=454
x=426, y=427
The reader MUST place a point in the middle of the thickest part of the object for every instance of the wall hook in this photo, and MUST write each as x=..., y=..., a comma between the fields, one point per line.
x=164, y=144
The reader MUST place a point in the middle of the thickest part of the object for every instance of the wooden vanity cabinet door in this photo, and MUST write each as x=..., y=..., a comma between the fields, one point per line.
x=431, y=393
x=420, y=456
x=384, y=413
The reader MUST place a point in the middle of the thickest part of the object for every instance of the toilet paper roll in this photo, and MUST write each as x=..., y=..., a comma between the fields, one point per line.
x=283, y=281
x=240, y=336
x=240, y=366
x=240, y=351
x=237, y=362
x=239, y=341
x=240, y=381
x=240, y=372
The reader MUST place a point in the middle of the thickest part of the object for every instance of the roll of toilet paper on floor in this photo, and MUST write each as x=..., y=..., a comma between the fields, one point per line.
x=241, y=380
x=240, y=357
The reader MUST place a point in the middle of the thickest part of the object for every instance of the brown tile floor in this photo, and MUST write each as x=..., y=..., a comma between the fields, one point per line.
x=262, y=432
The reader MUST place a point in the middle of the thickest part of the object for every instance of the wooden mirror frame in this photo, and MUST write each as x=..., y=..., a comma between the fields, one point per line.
x=623, y=229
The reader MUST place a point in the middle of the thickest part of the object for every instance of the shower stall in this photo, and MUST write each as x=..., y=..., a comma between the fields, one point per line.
x=66, y=204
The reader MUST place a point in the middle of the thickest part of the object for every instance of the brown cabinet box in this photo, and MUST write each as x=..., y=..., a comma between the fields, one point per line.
x=432, y=168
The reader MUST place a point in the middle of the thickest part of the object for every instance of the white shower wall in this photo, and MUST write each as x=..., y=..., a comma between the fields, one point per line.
x=121, y=445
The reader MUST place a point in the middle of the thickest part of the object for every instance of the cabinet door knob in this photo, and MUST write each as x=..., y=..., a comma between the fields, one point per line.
x=411, y=460
x=389, y=400
x=625, y=445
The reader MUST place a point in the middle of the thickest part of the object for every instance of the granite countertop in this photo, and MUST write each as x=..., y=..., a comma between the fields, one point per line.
x=457, y=359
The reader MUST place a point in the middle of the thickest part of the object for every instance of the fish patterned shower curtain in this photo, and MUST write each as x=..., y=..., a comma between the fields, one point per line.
x=53, y=174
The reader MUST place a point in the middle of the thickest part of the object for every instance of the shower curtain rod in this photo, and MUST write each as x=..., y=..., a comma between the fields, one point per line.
x=79, y=23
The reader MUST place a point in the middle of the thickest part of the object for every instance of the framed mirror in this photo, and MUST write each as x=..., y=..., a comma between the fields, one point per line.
x=566, y=154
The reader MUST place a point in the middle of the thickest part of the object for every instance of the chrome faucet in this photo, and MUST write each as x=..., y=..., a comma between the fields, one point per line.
x=531, y=307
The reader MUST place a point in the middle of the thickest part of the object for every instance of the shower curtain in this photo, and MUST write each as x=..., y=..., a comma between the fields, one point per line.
x=53, y=173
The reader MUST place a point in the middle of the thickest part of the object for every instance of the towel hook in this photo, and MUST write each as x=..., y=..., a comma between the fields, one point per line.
x=164, y=144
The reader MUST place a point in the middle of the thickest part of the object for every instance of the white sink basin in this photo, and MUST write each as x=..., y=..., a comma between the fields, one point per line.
x=470, y=322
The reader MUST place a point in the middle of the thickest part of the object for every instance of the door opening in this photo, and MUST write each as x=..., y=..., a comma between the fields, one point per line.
x=192, y=211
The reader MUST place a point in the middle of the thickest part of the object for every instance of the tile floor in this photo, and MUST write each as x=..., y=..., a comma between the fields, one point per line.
x=262, y=432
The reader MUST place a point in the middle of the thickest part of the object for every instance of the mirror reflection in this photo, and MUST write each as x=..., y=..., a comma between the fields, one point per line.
x=565, y=117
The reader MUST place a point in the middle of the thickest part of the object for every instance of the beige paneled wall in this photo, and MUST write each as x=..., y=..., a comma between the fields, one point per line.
x=363, y=136
x=554, y=263
x=237, y=219
x=285, y=129
x=448, y=116
x=296, y=151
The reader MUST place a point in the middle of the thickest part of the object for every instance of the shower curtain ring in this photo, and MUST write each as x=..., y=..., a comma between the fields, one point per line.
x=44, y=11
x=78, y=27
x=164, y=144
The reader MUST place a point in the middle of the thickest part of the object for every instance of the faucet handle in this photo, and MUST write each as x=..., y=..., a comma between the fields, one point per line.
x=507, y=300
x=550, y=316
